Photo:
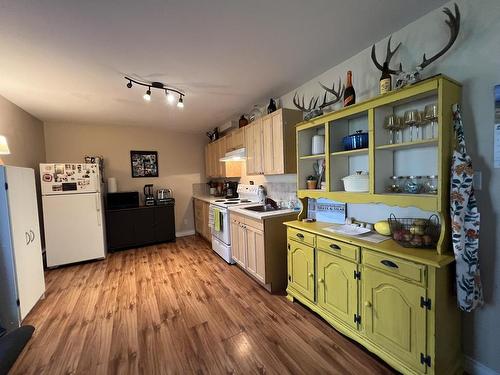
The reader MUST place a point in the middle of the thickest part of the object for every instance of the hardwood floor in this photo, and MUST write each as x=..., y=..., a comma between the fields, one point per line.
x=178, y=309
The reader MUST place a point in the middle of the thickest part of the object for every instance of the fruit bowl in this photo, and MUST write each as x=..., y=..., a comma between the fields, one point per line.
x=415, y=232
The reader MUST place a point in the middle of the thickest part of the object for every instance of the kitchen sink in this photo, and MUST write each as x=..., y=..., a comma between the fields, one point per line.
x=266, y=208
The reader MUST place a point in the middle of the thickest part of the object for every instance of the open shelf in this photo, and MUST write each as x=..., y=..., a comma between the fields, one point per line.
x=406, y=145
x=360, y=151
x=317, y=156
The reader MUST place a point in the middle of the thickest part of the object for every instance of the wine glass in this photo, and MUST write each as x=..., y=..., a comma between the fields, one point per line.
x=431, y=115
x=419, y=122
x=399, y=126
x=391, y=124
x=411, y=120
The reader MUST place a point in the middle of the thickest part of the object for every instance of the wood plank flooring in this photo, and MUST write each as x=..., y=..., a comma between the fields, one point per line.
x=178, y=309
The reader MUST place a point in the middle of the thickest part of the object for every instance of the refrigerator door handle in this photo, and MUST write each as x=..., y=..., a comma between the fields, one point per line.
x=98, y=209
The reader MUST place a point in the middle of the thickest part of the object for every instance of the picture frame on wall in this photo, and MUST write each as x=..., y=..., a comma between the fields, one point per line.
x=144, y=163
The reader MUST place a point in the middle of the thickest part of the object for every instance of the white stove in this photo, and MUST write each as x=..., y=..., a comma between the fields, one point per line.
x=221, y=238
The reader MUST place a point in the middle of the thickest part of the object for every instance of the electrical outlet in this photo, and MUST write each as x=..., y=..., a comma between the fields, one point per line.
x=477, y=180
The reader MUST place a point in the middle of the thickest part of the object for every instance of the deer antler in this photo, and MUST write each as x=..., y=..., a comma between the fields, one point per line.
x=312, y=103
x=453, y=23
x=388, y=56
x=337, y=95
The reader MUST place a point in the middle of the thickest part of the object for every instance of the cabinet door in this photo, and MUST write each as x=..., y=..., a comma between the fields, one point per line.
x=236, y=232
x=255, y=254
x=238, y=139
x=120, y=229
x=301, y=268
x=164, y=223
x=337, y=287
x=278, y=144
x=250, y=149
x=258, y=146
x=393, y=316
x=221, y=151
x=206, y=227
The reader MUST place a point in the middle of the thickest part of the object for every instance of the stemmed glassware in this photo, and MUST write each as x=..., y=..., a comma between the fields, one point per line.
x=391, y=124
x=431, y=115
x=411, y=119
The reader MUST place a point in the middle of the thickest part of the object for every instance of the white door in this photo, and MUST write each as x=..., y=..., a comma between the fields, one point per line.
x=25, y=230
x=73, y=228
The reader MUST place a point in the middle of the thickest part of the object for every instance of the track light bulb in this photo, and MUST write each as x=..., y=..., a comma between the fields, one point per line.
x=129, y=84
x=147, y=95
x=180, y=103
x=170, y=97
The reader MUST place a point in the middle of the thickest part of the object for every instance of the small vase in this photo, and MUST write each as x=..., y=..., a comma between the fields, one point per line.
x=311, y=184
x=243, y=121
x=272, y=106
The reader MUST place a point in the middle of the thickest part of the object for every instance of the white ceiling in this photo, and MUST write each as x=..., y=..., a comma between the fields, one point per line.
x=63, y=60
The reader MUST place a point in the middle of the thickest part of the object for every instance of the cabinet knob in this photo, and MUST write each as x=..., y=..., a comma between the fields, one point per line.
x=310, y=274
x=321, y=281
x=368, y=304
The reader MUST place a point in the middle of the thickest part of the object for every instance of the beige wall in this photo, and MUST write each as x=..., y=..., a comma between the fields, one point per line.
x=24, y=134
x=181, y=158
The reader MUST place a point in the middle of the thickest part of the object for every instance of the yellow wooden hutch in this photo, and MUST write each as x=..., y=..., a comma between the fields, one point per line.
x=398, y=302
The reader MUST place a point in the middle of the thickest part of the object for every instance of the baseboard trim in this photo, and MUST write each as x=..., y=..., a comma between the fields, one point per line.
x=474, y=367
x=185, y=233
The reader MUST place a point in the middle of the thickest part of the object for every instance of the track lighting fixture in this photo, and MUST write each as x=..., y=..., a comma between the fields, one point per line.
x=147, y=95
x=170, y=97
x=180, y=103
x=169, y=91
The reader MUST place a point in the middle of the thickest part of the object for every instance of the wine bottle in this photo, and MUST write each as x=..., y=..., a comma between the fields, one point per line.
x=385, y=79
x=349, y=93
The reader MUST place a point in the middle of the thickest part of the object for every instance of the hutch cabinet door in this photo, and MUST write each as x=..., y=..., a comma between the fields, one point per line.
x=301, y=268
x=337, y=288
x=393, y=316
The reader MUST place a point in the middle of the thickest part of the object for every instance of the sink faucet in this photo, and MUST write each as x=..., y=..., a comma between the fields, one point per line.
x=271, y=203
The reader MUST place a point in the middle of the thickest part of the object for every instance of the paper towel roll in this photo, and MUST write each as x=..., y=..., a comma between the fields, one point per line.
x=112, y=186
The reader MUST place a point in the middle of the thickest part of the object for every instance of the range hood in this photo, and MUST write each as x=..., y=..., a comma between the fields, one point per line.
x=235, y=155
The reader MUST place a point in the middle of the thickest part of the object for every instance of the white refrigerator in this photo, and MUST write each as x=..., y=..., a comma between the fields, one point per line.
x=72, y=213
x=22, y=280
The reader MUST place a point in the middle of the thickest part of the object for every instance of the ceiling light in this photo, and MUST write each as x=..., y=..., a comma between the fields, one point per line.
x=170, y=97
x=169, y=91
x=180, y=103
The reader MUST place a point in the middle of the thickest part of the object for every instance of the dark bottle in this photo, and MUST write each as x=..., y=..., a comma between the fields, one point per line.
x=385, y=79
x=272, y=106
x=349, y=93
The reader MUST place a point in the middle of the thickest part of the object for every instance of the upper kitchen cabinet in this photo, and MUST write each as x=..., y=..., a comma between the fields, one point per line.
x=216, y=168
x=270, y=143
x=235, y=139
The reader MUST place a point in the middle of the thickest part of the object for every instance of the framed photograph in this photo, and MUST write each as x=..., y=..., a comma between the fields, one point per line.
x=144, y=163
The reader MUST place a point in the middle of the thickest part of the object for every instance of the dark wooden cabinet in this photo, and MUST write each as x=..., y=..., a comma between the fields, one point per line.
x=139, y=226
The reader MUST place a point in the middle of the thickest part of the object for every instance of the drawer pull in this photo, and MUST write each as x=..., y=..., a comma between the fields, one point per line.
x=300, y=235
x=368, y=304
x=335, y=247
x=389, y=263
x=321, y=281
x=310, y=274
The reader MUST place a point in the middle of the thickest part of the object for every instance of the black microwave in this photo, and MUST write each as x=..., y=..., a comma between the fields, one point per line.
x=125, y=199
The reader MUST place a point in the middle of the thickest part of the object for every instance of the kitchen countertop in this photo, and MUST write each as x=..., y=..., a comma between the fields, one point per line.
x=261, y=215
x=206, y=198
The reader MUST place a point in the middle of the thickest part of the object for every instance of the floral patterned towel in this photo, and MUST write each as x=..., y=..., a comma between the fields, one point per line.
x=464, y=223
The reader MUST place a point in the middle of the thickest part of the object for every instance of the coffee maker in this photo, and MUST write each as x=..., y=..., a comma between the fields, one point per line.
x=230, y=187
x=149, y=198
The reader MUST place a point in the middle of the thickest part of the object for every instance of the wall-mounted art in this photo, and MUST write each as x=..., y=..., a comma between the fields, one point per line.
x=144, y=163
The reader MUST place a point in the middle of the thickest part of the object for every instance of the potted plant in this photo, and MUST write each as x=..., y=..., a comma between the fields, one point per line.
x=311, y=182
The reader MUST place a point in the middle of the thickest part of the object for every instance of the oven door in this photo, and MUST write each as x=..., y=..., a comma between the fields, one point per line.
x=223, y=235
